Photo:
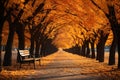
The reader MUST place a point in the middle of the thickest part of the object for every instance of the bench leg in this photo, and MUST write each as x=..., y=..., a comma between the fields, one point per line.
x=34, y=64
x=29, y=63
x=20, y=65
x=39, y=62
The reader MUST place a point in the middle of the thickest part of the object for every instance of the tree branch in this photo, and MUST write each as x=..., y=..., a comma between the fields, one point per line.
x=99, y=7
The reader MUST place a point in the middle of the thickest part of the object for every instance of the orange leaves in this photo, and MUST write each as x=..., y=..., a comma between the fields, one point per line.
x=117, y=8
x=80, y=15
x=63, y=37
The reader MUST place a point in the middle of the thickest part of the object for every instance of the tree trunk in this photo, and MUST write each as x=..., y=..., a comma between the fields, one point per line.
x=8, y=54
x=101, y=46
x=93, y=50
x=112, y=50
x=118, y=41
x=37, y=49
x=119, y=52
x=98, y=51
x=0, y=58
x=101, y=51
x=21, y=38
x=32, y=45
x=116, y=30
x=88, y=49
x=0, y=48
x=80, y=50
x=42, y=51
x=83, y=50
x=2, y=19
x=1, y=27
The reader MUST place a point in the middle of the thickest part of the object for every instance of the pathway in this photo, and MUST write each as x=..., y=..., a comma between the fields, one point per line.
x=66, y=66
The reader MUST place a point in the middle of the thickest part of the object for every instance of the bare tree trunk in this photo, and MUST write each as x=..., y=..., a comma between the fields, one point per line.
x=8, y=49
x=101, y=51
x=42, y=51
x=37, y=49
x=100, y=46
x=88, y=49
x=98, y=51
x=8, y=54
x=93, y=50
x=32, y=45
x=2, y=19
x=118, y=36
x=119, y=52
x=43, y=48
x=101, y=59
x=80, y=50
x=1, y=27
x=83, y=50
x=116, y=32
x=21, y=40
x=112, y=51
x=0, y=48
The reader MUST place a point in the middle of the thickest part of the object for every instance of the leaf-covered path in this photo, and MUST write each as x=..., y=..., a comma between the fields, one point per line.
x=66, y=66
x=61, y=65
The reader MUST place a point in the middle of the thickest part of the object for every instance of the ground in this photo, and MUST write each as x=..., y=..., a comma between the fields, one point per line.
x=62, y=65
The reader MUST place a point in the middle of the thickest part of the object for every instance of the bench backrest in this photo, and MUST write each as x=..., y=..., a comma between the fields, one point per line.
x=24, y=53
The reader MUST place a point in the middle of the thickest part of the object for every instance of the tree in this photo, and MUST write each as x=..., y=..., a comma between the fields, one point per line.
x=93, y=36
x=3, y=4
x=111, y=15
x=100, y=46
x=12, y=28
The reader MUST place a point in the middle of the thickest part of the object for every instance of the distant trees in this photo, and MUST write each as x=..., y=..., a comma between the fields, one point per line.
x=88, y=18
x=92, y=36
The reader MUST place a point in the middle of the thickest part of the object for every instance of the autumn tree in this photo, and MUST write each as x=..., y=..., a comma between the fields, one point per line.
x=111, y=13
x=14, y=26
x=100, y=45
x=34, y=29
x=3, y=4
x=37, y=25
x=92, y=36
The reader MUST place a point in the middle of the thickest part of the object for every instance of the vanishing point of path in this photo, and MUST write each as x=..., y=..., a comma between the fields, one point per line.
x=67, y=66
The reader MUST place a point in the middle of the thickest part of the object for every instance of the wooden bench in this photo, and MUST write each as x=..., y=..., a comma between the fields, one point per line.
x=25, y=57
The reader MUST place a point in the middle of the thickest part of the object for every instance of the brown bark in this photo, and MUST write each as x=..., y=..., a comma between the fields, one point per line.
x=21, y=40
x=8, y=54
x=0, y=48
x=83, y=50
x=93, y=50
x=100, y=46
x=32, y=45
x=116, y=33
x=2, y=19
x=37, y=49
x=118, y=37
x=112, y=51
x=88, y=49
